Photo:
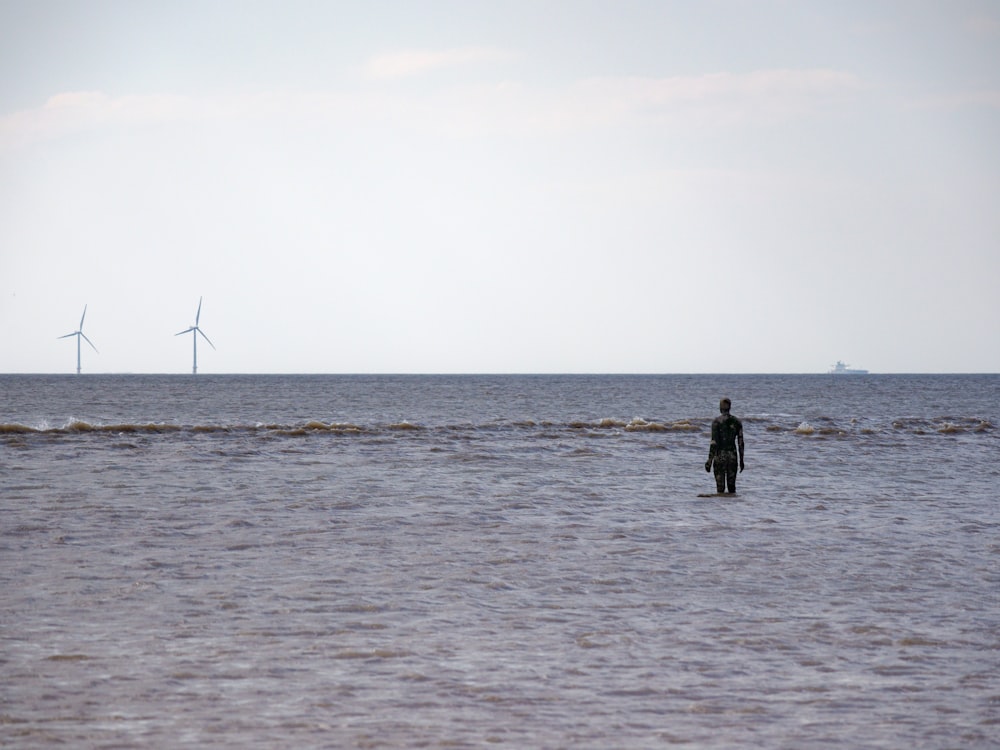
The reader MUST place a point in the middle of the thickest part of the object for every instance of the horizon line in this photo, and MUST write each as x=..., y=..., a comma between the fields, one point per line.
x=567, y=373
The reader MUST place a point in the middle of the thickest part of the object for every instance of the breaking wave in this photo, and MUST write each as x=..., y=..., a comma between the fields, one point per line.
x=809, y=429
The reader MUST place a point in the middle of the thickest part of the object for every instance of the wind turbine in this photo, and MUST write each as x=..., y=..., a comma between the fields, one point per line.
x=194, y=331
x=80, y=335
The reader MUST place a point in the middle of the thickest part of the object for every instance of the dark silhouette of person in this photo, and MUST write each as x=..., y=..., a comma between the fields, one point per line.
x=727, y=436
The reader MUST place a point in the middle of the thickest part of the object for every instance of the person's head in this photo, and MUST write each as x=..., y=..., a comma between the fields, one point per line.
x=725, y=405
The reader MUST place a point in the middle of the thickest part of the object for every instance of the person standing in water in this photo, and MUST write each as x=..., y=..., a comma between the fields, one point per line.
x=727, y=437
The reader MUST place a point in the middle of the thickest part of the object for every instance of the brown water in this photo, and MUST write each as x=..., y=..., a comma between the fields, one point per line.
x=236, y=561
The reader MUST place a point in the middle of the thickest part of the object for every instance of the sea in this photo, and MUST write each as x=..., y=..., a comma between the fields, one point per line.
x=522, y=561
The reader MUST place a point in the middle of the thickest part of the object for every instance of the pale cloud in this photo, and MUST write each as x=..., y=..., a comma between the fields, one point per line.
x=766, y=93
x=408, y=63
x=76, y=111
x=72, y=112
x=720, y=99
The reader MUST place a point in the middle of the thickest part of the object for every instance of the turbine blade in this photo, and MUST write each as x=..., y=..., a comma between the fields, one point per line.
x=192, y=328
x=68, y=335
x=89, y=341
x=205, y=337
x=198, y=314
x=83, y=316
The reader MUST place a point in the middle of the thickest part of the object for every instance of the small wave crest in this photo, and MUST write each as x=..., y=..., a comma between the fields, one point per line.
x=829, y=430
x=82, y=426
x=638, y=424
x=820, y=427
x=346, y=427
x=404, y=425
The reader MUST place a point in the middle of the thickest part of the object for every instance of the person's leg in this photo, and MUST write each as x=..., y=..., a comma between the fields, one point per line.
x=730, y=462
x=719, y=467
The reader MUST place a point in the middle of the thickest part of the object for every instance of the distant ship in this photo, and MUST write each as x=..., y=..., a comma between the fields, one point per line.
x=841, y=369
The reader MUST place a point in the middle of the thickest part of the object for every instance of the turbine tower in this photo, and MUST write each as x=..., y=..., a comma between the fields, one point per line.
x=80, y=335
x=194, y=331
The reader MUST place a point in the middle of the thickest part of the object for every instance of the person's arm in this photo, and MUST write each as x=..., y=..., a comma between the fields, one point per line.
x=712, y=448
x=739, y=443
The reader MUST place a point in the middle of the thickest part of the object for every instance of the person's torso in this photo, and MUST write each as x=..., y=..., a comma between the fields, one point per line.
x=726, y=429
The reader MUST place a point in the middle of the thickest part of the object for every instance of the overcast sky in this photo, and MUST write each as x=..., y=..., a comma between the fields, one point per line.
x=575, y=186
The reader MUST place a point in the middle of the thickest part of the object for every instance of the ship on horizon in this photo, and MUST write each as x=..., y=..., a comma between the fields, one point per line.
x=841, y=369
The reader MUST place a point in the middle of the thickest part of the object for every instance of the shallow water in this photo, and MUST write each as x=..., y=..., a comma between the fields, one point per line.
x=514, y=561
